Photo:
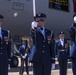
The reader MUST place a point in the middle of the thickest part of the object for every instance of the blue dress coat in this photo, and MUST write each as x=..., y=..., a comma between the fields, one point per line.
x=22, y=52
x=5, y=52
x=44, y=52
x=72, y=33
x=62, y=54
x=62, y=51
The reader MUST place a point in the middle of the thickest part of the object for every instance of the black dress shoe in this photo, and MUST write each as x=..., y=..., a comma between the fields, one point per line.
x=20, y=74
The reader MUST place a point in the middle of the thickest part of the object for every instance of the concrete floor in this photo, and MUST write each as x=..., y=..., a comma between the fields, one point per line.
x=15, y=71
x=54, y=72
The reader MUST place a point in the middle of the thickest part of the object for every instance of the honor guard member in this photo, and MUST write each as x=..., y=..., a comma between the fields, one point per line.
x=44, y=41
x=5, y=49
x=72, y=32
x=23, y=50
x=62, y=52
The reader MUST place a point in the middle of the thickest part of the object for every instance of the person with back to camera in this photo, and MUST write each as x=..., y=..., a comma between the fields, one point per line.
x=43, y=39
x=72, y=32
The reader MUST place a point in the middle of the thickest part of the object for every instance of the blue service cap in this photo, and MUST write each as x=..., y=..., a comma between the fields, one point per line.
x=61, y=33
x=24, y=41
x=40, y=15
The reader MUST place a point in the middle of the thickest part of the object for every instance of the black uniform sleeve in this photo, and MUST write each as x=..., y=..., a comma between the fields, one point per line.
x=33, y=34
x=9, y=47
x=72, y=32
x=55, y=48
x=52, y=45
x=68, y=50
x=20, y=53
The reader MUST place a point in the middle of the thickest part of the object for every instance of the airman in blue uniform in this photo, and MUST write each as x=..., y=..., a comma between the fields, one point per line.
x=5, y=49
x=72, y=32
x=23, y=50
x=44, y=42
x=62, y=52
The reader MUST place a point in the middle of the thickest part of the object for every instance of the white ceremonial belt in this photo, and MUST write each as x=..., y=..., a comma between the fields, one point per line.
x=0, y=53
x=62, y=50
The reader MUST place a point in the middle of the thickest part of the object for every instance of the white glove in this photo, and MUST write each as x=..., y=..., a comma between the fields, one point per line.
x=56, y=59
x=53, y=66
x=33, y=24
x=75, y=19
x=25, y=55
x=8, y=66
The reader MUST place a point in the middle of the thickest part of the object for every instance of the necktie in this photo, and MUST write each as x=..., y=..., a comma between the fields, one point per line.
x=62, y=42
x=41, y=29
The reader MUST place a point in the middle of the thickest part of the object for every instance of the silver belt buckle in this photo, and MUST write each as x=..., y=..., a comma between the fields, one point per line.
x=0, y=53
x=62, y=50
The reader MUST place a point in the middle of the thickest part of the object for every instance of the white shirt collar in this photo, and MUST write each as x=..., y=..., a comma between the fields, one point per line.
x=61, y=39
